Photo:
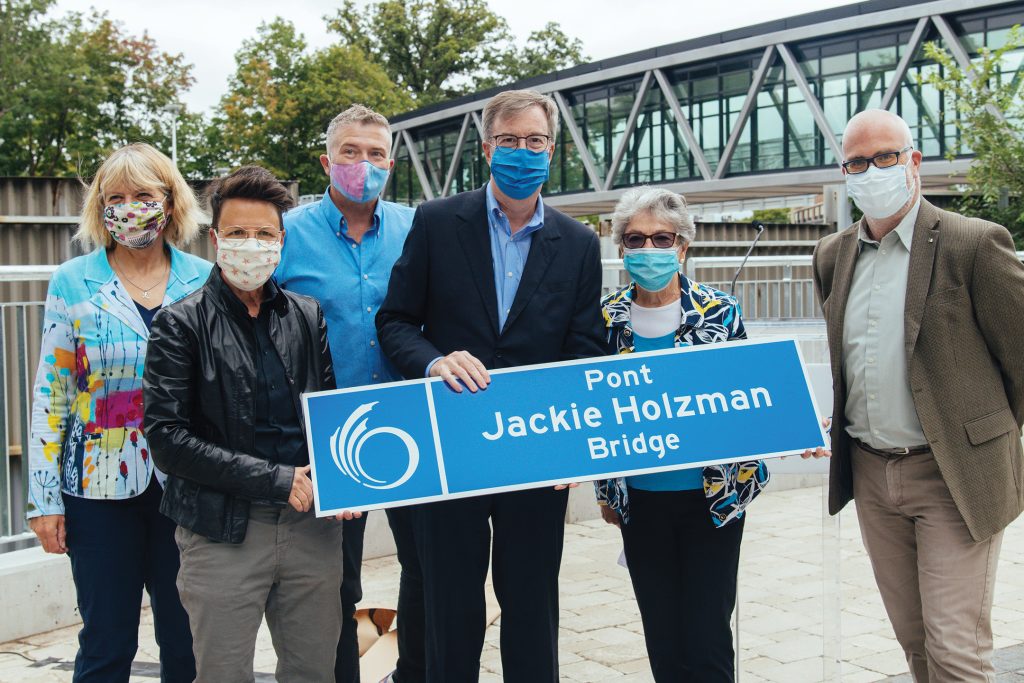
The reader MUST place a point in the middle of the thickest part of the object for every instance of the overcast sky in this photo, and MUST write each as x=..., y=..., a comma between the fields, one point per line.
x=209, y=32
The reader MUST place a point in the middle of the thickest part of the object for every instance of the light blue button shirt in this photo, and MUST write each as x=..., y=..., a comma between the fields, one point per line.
x=509, y=251
x=348, y=278
x=508, y=254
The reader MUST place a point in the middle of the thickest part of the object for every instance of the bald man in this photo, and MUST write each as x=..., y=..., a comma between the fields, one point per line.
x=925, y=313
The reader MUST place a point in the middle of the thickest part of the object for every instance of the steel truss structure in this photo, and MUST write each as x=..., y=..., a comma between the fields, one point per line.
x=786, y=119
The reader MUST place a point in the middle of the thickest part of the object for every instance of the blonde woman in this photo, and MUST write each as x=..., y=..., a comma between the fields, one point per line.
x=94, y=490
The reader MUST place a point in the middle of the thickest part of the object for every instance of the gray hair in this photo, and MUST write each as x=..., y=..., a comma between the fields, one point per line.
x=356, y=114
x=512, y=102
x=665, y=206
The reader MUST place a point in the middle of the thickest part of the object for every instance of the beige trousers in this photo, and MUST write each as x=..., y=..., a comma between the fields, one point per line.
x=936, y=581
x=289, y=568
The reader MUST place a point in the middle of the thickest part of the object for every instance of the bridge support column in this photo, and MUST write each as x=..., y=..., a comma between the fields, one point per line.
x=837, y=206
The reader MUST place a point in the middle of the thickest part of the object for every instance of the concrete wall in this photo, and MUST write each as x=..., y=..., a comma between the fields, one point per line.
x=38, y=593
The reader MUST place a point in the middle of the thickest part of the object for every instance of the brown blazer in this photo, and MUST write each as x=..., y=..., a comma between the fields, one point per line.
x=963, y=330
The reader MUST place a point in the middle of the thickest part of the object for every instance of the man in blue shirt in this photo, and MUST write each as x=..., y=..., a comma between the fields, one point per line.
x=340, y=251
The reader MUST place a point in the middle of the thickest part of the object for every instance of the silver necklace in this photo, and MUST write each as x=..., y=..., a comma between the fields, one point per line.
x=145, y=290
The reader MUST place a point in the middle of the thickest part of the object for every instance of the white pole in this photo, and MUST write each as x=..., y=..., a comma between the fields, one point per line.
x=173, y=109
x=174, y=138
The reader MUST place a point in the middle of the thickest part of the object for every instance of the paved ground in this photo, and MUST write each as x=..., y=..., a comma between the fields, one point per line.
x=782, y=609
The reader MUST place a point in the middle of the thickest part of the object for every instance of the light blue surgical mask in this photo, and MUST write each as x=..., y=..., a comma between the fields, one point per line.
x=519, y=172
x=651, y=269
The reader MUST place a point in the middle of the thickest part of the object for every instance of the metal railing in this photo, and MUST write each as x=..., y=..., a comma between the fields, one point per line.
x=776, y=291
x=771, y=288
x=19, y=324
x=814, y=213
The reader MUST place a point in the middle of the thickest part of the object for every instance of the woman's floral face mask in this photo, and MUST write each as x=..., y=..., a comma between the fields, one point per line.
x=135, y=224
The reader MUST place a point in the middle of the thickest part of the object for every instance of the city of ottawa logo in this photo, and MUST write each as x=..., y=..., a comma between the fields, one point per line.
x=348, y=440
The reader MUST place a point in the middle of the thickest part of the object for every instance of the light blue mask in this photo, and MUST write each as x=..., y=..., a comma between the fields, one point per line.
x=651, y=269
x=518, y=172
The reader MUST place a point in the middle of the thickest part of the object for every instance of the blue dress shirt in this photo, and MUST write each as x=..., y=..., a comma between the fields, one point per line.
x=508, y=254
x=509, y=251
x=348, y=278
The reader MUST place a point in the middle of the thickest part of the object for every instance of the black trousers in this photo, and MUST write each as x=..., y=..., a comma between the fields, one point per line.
x=346, y=663
x=411, y=666
x=683, y=571
x=117, y=548
x=455, y=543
x=412, y=635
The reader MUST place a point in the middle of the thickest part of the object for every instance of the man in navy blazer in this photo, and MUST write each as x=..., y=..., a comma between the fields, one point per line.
x=488, y=279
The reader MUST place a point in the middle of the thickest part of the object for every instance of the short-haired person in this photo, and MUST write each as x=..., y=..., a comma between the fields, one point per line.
x=493, y=278
x=925, y=312
x=94, y=492
x=340, y=251
x=224, y=373
x=681, y=530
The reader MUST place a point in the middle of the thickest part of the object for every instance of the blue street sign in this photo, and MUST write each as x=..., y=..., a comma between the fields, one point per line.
x=409, y=442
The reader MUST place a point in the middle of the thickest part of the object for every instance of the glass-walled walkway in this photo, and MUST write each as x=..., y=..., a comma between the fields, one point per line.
x=744, y=112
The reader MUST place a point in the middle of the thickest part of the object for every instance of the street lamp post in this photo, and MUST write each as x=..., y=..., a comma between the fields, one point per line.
x=174, y=109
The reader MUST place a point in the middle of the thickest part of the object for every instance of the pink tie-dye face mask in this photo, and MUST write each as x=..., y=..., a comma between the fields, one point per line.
x=360, y=182
x=135, y=224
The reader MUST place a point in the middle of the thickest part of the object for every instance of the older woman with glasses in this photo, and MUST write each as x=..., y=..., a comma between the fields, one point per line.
x=681, y=530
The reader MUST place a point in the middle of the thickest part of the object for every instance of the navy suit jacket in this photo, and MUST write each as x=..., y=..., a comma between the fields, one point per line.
x=441, y=297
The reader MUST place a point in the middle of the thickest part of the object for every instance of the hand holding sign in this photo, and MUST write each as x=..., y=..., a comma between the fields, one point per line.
x=819, y=452
x=461, y=366
x=301, y=496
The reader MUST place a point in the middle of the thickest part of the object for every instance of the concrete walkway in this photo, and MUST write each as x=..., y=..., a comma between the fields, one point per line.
x=782, y=609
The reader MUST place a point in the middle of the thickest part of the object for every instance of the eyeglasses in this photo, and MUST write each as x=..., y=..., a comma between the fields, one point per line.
x=660, y=240
x=534, y=143
x=265, y=234
x=883, y=160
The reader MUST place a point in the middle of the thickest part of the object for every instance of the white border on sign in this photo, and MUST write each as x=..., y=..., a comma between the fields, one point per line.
x=437, y=439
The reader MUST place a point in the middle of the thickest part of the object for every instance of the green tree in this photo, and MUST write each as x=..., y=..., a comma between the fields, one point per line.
x=257, y=112
x=282, y=97
x=85, y=87
x=546, y=50
x=989, y=107
x=439, y=49
x=779, y=215
x=24, y=47
x=200, y=143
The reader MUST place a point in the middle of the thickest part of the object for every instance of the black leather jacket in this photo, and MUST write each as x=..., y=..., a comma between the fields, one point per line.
x=199, y=391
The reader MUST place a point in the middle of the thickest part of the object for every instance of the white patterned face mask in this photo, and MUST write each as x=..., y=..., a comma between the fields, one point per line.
x=135, y=224
x=247, y=263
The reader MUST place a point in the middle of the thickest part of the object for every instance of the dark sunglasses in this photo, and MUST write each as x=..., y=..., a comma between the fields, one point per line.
x=660, y=240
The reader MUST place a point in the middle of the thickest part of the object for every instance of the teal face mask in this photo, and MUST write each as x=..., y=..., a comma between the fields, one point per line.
x=651, y=269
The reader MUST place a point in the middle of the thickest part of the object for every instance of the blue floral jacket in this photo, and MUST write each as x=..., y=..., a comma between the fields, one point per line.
x=87, y=438
x=708, y=316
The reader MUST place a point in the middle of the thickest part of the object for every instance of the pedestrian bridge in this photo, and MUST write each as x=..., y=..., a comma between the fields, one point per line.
x=747, y=114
